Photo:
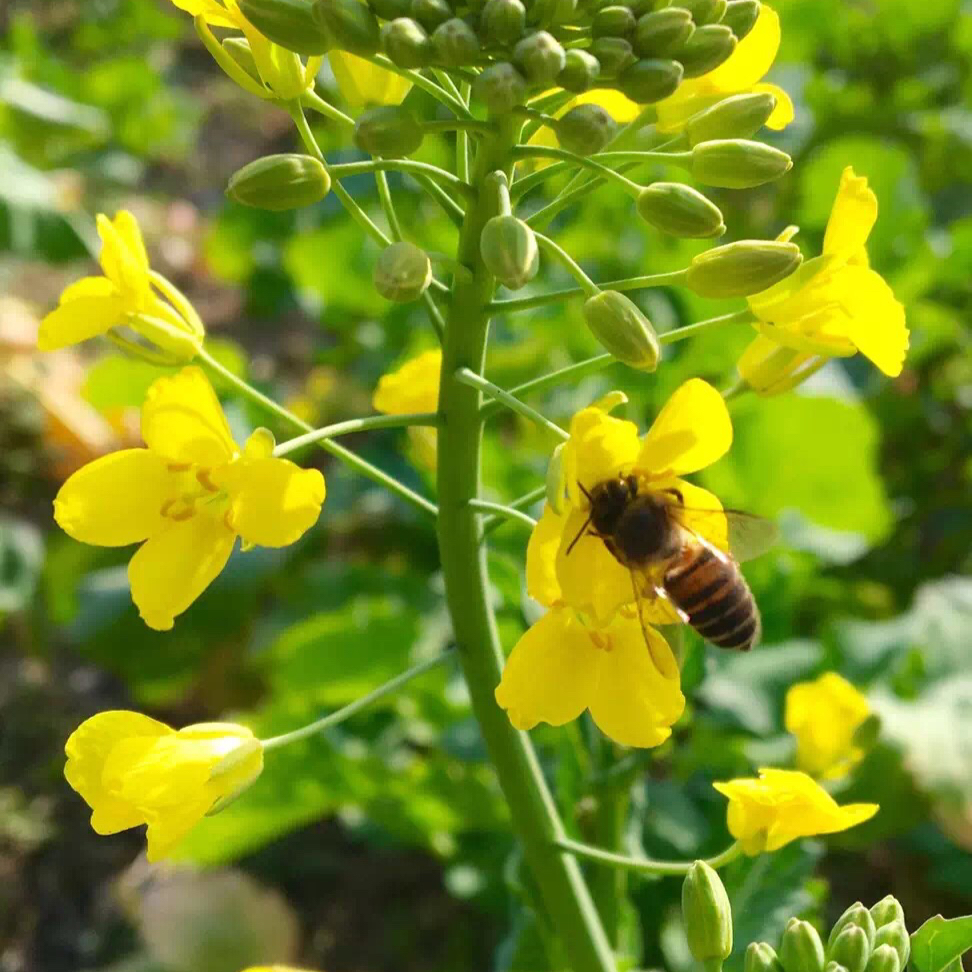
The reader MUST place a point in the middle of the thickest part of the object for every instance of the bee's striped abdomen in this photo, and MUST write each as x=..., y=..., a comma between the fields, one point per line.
x=715, y=596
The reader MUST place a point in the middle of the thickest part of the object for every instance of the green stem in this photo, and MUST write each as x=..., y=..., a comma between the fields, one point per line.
x=504, y=512
x=355, y=425
x=456, y=125
x=532, y=810
x=453, y=210
x=316, y=103
x=426, y=84
x=345, y=169
x=609, y=886
x=340, y=715
x=521, y=502
x=346, y=456
x=587, y=286
x=562, y=155
x=469, y=377
x=643, y=865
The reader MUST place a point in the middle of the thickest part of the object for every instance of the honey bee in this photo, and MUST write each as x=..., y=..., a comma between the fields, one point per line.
x=646, y=532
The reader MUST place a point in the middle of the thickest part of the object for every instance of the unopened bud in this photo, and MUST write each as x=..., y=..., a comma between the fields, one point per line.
x=455, y=43
x=801, y=949
x=705, y=11
x=887, y=911
x=742, y=268
x=896, y=935
x=735, y=163
x=238, y=48
x=884, y=959
x=680, y=210
x=834, y=967
x=850, y=948
x=540, y=57
x=662, y=32
x=289, y=23
x=706, y=49
x=168, y=330
x=585, y=129
x=613, y=21
x=581, y=70
x=556, y=480
x=761, y=957
x=391, y=9
x=741, y=16
x=352, y=24
x=403, y=272
x=390, y=131
x=279, y=182
x=706, y=914
x=856, y=915
x=738, y=116
x=650, y=80
x=509, y=250
x=503, y=21
x=500, y=87
x=623, y=330
x=430, y=13
x=614, y=54
x=406, y=43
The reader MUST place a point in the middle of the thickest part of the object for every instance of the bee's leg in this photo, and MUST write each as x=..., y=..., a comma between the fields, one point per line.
x=677, y=493
x=663, y=664
x=660, y=592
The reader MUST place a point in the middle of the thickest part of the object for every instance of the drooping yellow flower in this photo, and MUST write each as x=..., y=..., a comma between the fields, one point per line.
x=133, y=770
x=128, y=295
x=561, y=667
x=363, y=83
x=414, y=387
x=741, y=73
x=833, y=306
x=187, y=496
x=783, y=805
x=824, y=715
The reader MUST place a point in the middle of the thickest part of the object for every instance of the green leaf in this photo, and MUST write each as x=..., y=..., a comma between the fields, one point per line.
x=940, y=941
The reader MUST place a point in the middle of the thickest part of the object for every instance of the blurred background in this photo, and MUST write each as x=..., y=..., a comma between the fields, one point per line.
x=384, y=845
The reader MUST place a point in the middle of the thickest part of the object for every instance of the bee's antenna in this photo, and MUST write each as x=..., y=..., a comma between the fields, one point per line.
x=580, y=532
x=587, y=495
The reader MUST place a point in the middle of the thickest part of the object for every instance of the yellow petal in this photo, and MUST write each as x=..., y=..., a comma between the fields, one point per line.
x=691, y=97
x=123, y=256
x=550, y=672
x=753, y=57
x=273, y=502
x=621, y=108
x=541, y=558
x=214, y=14
x=691, y=431
x=600, y=448
x=363, y=83
x=82, y=314
x=702, y=514
x=115, y=500
x=414, y=387
x=853, y=216
x=877, y=320
x=182, y=421
x=170, y=570
x=784, y=112
x=167, y=829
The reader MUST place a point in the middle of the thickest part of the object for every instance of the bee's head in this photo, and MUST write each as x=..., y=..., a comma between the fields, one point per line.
x=609, y=500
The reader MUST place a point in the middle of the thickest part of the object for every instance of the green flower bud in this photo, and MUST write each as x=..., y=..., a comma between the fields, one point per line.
x=855, y=915
x=623, y=330
x=662, y=32
x=613, y=21
x=735, y=163
x=352, y=24
x=896, y=935
x=761, y=957
x=502, y=21
x=801, y=949
x=705, y=11
x=405, y=42
x=289, y=23
x=650, y=80
x=706, y=49
x=390, y=131
x=391, y=9
x=403, y=272
x=581, y=70
x=640, y=7
x=742, y=268
x=431, y=13
x=500, y=87
x=680, y=210
x=540, y=57
x=834, y=967
x=887, y=911
x=509, y=250
x=738, y=116
x=740, y=16
x=706, y=914
x=586, y=129
x=884, y=959
x=238, y=48
x=279, y=182
x=850, y=948
x=614, y=54
x=455, y=43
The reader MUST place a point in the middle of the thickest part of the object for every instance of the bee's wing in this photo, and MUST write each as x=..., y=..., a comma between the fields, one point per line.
x=750, y=536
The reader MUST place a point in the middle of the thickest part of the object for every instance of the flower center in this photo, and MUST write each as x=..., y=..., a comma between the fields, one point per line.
x=194, y=492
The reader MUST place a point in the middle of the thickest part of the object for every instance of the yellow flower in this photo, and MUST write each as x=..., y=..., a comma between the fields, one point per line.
x=363, y=83
x=824, y=715
x=691, y=432
x=132, y=770
x=414, y=387
x=783, y=805
x=741, y=73
x=833, y=306
x=188, y=496
x=125, y=296
x=561, y=667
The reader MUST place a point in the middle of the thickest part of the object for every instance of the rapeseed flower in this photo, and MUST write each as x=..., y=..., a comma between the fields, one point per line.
x=363, y=83
x=781, y=806
x=825, y=715
x=833, y=306
x=414, y=387
x=188, y=495
x=133, y=770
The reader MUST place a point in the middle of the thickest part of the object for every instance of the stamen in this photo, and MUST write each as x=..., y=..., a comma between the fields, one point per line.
x=202, y=476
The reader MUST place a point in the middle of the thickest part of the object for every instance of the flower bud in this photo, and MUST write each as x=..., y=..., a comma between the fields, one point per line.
x=556, y=480
x=740, y=16
x=352, y=24
x=403, y=272
x=390, y=131
x=623, y=330
x=279, y=182
x=391, y=9
x=662, y=32
x=706, y=914
x=761, y=957
x=650, y=80
x=581, y=70
x=735, y=163
x=886, y=912
x=509, y=250
x=455, y=43
x=801, y=949
x=289, y=23
x=238, y=49
x=738, y=116
x=884, y=959
x=502, y=21
x=706, y=49
x=430, y=13
x=705, y=11
x=613, y=21
x=585, y=129
x=896, y=935
x=540, y=57
x=176, y=331
x=742, y=268
x=857, y=915
x=834, y=967
x=850, y=948
x=405, y=42
x=614, y=54
x=680, y=210
x=500, y=87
